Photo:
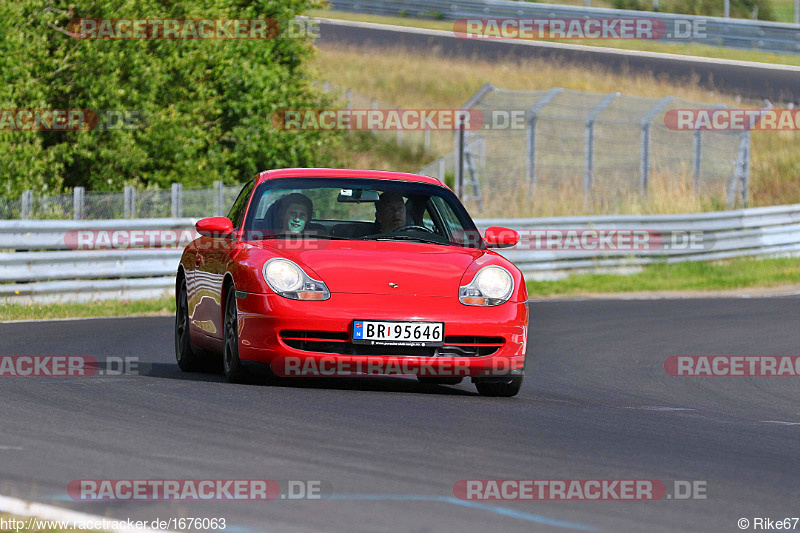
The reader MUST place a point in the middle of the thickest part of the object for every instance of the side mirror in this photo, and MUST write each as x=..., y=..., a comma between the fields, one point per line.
x=497, y=237
x=214, y=227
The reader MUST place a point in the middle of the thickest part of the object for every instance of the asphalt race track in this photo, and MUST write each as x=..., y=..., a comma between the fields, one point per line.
x=597, y=404
x=741, y=78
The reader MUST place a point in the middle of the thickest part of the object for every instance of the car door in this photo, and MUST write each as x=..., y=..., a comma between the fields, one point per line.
x=211, y=263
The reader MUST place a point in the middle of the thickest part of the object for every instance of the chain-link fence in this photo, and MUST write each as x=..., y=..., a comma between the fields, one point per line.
x=131, y=203
x=566, y=147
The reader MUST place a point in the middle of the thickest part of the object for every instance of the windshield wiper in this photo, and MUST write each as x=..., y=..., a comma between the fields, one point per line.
x=301, y=236
x=408, y=238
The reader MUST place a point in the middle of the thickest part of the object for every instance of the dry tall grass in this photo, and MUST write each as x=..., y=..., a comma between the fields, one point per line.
x=414, y=81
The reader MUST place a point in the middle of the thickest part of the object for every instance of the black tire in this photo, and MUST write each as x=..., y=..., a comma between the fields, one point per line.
x=504, y=389
x=432, y=380
x=231, y=364
x=186, y=355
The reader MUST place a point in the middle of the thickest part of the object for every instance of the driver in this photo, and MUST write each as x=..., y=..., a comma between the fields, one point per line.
x=390, y=212
x=294, y=212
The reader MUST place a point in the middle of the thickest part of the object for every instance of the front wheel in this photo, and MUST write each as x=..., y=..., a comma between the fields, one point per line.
x=504, y=389
x=187, y=357
x=230, y=356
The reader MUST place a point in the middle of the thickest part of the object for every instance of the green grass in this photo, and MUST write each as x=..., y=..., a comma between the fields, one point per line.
x=160, y=306
x=731, y=274
x=690, y=49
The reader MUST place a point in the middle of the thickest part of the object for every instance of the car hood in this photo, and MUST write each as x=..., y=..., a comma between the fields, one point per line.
x=368, y=267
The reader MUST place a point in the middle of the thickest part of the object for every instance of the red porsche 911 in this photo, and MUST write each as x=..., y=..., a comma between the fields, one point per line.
x=319, y=272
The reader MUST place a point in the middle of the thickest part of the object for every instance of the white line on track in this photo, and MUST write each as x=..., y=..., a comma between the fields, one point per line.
x=42, y=511
x=781, y=422
x=80, y=318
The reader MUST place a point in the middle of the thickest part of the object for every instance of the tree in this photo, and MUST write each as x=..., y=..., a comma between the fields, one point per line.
x=202, y=108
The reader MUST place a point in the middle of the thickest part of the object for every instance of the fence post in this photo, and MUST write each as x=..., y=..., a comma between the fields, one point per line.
x=442, y=170
x=459, y=156
x=797, y=11
x=177, y=189
x=374, y=104
x=129, y=202
x=77, y=203
x=219, y=199
x=644, y=161
x=349, y=96
x=533, y=115
x=27, y=203
x=697, y=158
x=427, y=140
x=727, y=9
x=742, y=176
x=326, y=86
x=590, y=119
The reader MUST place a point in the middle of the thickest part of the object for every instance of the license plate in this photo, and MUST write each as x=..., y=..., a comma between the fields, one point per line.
x=391, y=333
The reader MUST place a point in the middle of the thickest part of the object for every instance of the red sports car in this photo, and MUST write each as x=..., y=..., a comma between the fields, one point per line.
x=318, y=272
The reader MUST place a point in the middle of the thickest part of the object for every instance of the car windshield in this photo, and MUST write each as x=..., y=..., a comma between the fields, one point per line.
x=358, y=209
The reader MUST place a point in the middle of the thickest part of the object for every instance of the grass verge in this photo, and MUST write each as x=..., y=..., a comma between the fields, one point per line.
x=156, y=307
x=742, y=273
x=689, y=49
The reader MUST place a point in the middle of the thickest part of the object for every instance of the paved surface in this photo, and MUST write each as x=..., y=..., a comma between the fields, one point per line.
x=596, y=404
x=753, y=80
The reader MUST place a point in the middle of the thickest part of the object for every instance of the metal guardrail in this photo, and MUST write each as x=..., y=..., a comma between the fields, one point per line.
x=60, y=274
x=734, y=33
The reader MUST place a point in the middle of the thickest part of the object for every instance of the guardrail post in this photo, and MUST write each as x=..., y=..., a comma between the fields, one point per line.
x=130, y=202
x=589, y=163
x=219, y=199
x=644, y=160
x=77, y=203
x=177, y=189
x=533, y=115
x=727, y=9
x=442, y=170
x=797, y=11
x=27, y=203
x=427, y=140
x=349, y=97
x=326, y=86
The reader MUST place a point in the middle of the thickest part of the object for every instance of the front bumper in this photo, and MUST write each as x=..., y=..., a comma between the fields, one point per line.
x=269, y=326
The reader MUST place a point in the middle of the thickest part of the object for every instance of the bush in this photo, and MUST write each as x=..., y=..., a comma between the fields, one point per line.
x=207, y=103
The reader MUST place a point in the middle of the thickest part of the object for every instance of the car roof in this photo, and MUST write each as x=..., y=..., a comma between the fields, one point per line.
x=345, y=173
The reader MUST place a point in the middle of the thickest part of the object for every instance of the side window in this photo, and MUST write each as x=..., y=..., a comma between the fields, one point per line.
x=237, y=211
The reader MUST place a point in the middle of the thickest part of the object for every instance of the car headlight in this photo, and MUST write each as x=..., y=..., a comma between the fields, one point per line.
x=492, y=285
x=287, y=279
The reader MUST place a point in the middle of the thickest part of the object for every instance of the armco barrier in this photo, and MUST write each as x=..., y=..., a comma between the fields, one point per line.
x=38, y=265
x=716, y=31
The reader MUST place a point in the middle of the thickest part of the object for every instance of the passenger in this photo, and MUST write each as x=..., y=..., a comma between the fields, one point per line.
x=294, y=212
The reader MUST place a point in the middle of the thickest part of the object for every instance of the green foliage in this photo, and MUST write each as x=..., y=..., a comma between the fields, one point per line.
x=207, y=103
